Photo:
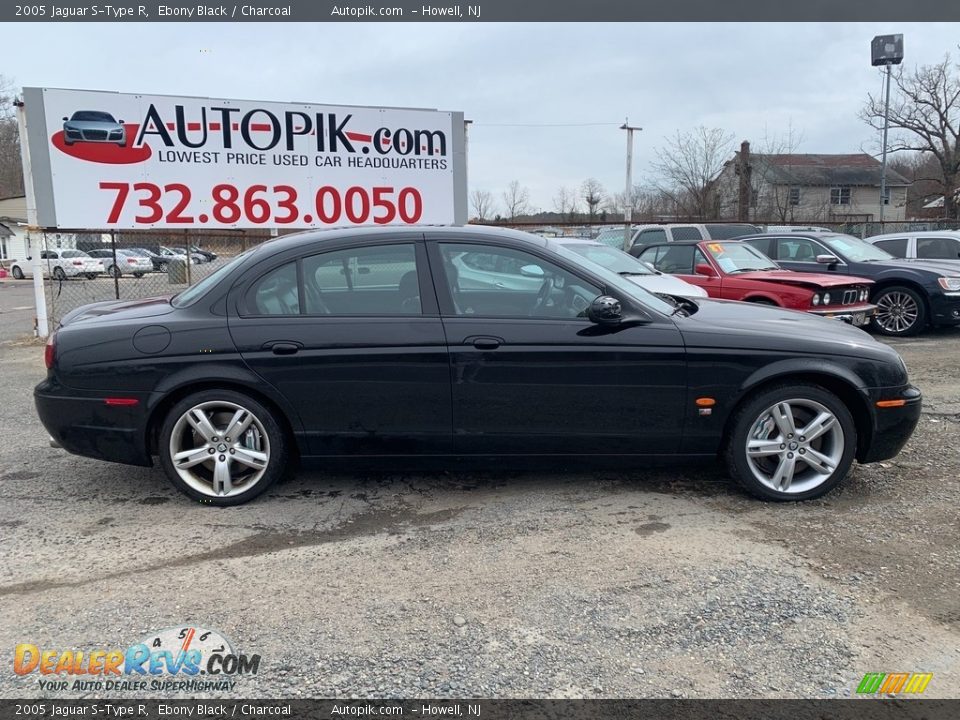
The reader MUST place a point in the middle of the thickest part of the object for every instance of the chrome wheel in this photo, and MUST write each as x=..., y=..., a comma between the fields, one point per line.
x=794, y=446
x=897, y=312
x=219, y=449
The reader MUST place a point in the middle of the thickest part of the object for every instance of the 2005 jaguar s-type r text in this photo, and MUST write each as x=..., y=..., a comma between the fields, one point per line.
x=388, y=343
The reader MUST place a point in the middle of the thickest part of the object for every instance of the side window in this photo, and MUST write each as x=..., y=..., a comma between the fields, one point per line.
x=376, y=280
x=896, y=247
x=491, y=281
x=941, y=248
x=676, y=260
x=699, y=258
x=685, y=233
x=798, y=249
x=275, y=293
x=650, y=255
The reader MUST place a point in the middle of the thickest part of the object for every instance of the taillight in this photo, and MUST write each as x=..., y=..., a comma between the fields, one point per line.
x=78, y=263
x=50, y=351
x=131, y=261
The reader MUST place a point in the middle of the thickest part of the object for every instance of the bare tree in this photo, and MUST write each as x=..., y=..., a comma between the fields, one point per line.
x=774, y=199
x=11, y=169
x=482, y=202
x=592, y=193
x=925, y=109
x=516, y=200
x=688, y=165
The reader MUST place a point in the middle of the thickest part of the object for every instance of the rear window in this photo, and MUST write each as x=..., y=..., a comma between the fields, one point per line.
x=686, y=233
x=727, y=231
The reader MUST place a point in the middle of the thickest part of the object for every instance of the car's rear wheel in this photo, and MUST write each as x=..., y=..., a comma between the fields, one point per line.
x=115, y=271
x=17, y=273
x=900, y=312
x=222, y=447
x=138, y=275
x=59, y=274
x=791, y=442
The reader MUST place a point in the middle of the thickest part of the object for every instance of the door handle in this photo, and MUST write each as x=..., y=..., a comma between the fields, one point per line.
x=284, y=348
x=486, y=343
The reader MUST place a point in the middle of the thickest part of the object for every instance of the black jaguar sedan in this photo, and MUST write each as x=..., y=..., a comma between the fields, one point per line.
x=456, y=344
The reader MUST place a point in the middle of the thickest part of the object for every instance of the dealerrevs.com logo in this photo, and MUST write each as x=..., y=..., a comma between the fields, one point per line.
x=183, y=659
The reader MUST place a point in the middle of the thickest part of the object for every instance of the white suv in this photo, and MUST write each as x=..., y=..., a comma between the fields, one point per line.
x=923, y=245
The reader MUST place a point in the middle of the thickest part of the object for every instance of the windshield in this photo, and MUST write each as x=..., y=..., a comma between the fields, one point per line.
x=195, y=292
x=627, y=288
x=736, y=257
x=612, y=259
x=92, y=116
x=855, y=249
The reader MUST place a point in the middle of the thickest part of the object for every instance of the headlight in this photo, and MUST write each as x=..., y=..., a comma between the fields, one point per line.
x=816, y=299
x=950, y=283
x=864, y=295
x=826, y=298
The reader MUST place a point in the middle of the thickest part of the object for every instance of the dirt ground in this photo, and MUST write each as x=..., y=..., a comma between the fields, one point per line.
x=663, y=583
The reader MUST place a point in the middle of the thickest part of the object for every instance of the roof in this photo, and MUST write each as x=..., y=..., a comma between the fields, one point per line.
x=820, y=169
x=5, y=231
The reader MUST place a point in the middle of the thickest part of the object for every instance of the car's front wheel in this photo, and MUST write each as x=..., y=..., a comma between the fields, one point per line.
x=222, y=447
x=900, y=312
x=17, y=273
x=791, y=442
x=59, y=274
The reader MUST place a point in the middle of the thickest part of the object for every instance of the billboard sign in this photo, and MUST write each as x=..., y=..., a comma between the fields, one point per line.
x=110, y=160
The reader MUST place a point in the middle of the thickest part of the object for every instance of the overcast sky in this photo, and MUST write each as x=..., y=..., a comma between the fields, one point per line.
x=746, y=78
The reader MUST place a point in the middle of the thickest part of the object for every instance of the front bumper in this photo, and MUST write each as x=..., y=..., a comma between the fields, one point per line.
x=892, y=426
x=83, y=424
x=945, y=308
x=858, y=315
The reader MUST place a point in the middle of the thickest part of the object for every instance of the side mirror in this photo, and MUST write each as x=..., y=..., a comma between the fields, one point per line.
x=65, y=119
x=532, y=271
x=828, y=259
x=704, y=269
x=605, y=310
x=120, y=122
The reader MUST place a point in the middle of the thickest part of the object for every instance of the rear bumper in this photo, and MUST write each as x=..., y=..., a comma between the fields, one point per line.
x=83, y=424
x=892, y=426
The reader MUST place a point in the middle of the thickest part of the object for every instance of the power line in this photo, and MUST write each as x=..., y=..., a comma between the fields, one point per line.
x=543, y=125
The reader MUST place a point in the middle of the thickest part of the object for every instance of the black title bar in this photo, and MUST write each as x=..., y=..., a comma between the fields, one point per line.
x=485, y=11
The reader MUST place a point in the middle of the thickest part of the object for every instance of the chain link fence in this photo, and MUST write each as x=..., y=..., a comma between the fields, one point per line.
x=90, y=266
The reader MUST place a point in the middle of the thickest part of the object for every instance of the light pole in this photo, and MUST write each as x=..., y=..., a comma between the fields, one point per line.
x=885, y=50
x=628, y=191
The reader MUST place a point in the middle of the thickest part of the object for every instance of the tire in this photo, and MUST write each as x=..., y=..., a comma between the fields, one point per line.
x=901, y=312
x=17, y=273
x=59, y=274
x=90, y=276
x=162, y=267
x=204, y=480
x=114, y=271
x=762, y=301
x=138, y=275
x=835, y=445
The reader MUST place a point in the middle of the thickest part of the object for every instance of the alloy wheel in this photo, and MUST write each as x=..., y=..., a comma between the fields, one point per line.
x=897, y=312
x=219, y=449
x=794, y=446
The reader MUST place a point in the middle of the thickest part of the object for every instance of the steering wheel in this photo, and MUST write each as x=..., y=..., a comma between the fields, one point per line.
x=542, y=296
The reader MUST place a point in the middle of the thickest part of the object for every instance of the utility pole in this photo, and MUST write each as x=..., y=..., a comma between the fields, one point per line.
x=883, y=163
x=628, y=190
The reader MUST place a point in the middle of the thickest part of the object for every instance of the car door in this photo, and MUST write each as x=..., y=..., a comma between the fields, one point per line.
x=346, y=334
x=531, y=375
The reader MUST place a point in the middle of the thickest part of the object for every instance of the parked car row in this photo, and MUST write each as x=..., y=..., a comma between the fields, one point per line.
x=63, y=264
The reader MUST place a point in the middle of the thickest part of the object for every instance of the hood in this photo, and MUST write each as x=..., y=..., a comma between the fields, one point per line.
x=940, y=267
x=789, y=277
x=747, y=326
x=667, y=285
x=116, y=310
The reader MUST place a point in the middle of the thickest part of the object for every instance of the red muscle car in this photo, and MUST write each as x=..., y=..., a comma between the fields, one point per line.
x=732, y=270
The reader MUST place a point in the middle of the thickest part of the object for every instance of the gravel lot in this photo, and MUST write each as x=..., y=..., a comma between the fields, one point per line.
x=666, y=583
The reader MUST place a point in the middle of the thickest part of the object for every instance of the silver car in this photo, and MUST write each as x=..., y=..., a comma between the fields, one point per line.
x=93, y=126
